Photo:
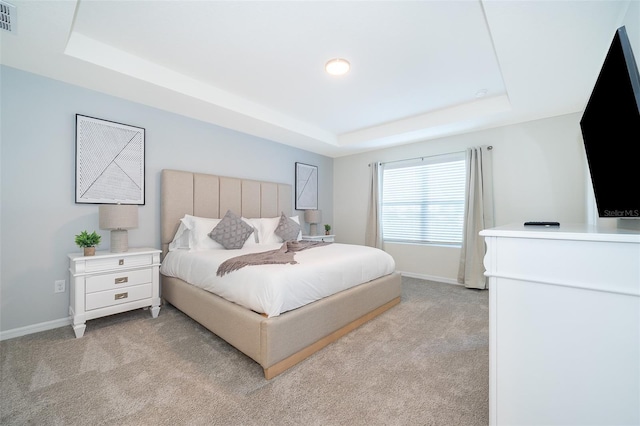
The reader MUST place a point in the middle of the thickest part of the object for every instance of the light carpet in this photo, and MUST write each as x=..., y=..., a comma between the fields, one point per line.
x=424, y=362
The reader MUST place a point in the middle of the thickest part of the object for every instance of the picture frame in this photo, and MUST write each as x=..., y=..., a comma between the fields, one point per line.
x=306, y=187
x=110, y=162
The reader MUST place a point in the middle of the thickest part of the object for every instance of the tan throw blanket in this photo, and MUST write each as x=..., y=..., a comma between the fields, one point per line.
x=281, y=256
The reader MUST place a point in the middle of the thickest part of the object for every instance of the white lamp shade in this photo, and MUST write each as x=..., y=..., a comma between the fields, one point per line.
x=118, y=216
x=312, y=216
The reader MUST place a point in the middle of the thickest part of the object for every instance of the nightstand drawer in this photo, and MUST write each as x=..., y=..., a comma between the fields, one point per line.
x=103, y=299
x=117, y=262
x=117, y=280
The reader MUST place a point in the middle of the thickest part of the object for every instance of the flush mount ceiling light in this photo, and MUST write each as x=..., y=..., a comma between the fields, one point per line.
x=337, y=66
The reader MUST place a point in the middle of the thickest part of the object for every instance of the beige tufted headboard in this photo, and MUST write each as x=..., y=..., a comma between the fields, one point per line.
x=205, y=195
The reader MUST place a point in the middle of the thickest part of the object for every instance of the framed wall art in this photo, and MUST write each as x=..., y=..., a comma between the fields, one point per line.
x=306, y=187
x=109, y=162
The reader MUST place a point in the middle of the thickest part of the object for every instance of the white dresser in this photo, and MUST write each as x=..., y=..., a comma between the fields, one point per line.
x=110, y=283
x=564, y=319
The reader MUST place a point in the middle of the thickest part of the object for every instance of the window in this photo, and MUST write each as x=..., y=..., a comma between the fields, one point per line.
x=423, y=200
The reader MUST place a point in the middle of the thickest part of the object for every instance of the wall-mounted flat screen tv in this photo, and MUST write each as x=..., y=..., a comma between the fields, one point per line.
x=611, y=132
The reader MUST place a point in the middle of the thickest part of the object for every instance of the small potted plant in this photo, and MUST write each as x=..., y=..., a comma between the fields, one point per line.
x=327, y=229
x=88, y=242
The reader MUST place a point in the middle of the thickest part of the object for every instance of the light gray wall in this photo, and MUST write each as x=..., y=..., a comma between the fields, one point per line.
x=631, y=21
x=38, y=214
x=539, y=174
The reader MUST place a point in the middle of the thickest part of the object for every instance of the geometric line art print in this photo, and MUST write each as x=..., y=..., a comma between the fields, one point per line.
x=109, y=162
x=306, y=187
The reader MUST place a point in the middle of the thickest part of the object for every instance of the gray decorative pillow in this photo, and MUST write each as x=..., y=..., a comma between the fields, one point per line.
x=287, y=229
x=231, y=232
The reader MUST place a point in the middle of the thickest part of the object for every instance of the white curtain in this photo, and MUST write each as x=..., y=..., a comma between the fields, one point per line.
x=373, y=233
x=478, y=215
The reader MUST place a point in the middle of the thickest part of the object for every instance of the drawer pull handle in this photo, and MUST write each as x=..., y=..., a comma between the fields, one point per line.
x=121, y=296
x=122, y=280
x=121, y=262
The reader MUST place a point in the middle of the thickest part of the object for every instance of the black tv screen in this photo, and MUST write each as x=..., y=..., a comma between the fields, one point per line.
x=611, y=132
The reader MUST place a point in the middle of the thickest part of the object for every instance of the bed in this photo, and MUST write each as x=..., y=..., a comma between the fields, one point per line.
x=282, y=339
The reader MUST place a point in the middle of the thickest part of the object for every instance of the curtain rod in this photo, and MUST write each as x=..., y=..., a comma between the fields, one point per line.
x=490, y=147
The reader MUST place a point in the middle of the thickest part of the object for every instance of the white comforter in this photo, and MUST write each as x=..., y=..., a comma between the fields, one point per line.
x=274, y=289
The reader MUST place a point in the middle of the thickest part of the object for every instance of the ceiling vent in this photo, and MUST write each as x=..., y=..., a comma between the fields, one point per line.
x=7, y=17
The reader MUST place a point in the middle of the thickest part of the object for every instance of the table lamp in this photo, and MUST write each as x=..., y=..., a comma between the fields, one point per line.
x=118, y=218
x=312, y=217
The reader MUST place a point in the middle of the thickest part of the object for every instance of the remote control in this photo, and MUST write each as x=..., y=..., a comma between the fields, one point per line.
x=542, y=224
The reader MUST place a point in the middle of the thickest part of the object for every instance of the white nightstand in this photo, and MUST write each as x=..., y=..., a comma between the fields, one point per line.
x=110, y=283
x=325, y=238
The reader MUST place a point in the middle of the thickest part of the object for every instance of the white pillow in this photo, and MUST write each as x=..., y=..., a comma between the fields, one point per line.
x=181, y=238
x=266, y=227
x=253, y=238
x=297, y=220
x=199, y=229
x=267, y=230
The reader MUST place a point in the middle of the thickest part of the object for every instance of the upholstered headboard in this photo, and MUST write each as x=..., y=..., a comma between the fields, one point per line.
x=205, y=195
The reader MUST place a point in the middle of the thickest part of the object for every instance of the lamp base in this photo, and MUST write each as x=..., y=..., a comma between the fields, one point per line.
x=119, y=240
x=313, y=229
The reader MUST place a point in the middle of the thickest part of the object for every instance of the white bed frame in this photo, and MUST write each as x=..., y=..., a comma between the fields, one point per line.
x=275, y=343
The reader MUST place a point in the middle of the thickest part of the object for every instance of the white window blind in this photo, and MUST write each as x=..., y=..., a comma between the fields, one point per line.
x=423, y=200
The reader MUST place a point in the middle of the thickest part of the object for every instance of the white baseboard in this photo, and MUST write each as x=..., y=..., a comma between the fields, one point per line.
x=35, y=328
x=429, y=278
x=63, y=322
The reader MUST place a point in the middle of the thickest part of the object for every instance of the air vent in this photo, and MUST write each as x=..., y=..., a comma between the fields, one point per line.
x=7, y=17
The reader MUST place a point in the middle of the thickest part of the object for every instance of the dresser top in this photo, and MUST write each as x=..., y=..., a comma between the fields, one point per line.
x=569, y=231
x=106, y=253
